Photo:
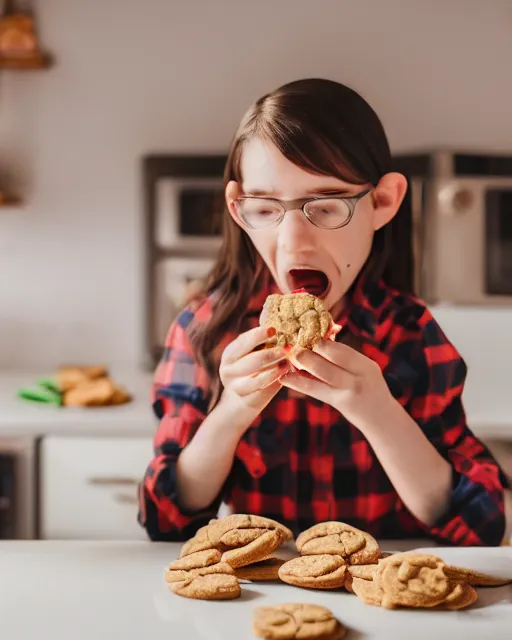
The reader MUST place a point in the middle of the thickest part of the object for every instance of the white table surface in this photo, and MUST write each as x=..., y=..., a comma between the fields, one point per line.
x=77, y=590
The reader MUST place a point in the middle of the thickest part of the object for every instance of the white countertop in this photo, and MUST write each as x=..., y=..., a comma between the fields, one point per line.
x=22, y=418
x=115, y=591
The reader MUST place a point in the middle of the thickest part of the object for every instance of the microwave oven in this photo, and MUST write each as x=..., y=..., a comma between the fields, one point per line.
x=462, y=222
x=183, y=215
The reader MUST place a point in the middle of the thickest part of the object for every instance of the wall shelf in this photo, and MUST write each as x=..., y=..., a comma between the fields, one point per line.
x=25, y=64
x=9, y=202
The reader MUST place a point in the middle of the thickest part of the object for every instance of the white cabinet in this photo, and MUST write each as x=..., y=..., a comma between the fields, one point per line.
x=88, y=486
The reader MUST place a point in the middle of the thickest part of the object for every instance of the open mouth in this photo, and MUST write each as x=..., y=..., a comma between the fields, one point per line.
x=313, y=281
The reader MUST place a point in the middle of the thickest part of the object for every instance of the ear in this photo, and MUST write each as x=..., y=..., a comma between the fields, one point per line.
x=387, y=198
x=232, y=192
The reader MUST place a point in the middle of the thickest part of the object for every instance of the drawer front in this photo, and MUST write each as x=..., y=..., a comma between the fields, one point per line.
x=89, y=487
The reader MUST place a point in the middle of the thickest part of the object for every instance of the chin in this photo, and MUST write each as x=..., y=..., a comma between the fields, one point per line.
x=334, y=300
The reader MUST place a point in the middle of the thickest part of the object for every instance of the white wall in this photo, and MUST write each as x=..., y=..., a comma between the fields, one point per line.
x=133, y=77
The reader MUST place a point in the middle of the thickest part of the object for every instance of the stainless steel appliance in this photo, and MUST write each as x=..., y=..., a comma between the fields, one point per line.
x=463, y=226
x=18, y=503
x=183, y=206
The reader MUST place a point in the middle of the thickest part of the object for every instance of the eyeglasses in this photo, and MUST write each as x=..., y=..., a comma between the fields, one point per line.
x=327, y=213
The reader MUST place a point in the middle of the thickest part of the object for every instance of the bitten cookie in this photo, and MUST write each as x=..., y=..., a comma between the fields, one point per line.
x=300, y=319
x=290, y=621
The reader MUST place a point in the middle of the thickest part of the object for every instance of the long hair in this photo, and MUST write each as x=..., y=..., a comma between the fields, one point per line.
x=325, y=128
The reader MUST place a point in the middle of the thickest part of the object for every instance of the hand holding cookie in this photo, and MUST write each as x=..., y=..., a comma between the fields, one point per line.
x=251, y=377
x=343, y=378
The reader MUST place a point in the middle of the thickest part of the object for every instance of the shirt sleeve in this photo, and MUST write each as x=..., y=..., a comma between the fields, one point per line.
x=475, y=515
x=180, y=400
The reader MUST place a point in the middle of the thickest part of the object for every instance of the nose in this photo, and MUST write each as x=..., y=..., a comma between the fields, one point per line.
x=296, y=233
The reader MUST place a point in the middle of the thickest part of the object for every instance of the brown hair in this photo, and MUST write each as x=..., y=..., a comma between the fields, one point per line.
x=326, y=128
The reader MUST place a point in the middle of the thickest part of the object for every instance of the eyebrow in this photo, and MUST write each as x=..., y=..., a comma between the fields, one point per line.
x=317, y=192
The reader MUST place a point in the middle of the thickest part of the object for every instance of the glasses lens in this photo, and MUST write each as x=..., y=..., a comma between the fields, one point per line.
x=259, y=212
x=328, y=213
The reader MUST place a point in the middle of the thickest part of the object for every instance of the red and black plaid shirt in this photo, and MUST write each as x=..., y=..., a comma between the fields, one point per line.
x=301, y=462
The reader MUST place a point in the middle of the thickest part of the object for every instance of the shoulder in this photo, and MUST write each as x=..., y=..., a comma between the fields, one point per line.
x=417, y=348
x=196, y=313
x=403, y=317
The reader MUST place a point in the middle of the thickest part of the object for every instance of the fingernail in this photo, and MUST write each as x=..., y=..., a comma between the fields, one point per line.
x=271, y=332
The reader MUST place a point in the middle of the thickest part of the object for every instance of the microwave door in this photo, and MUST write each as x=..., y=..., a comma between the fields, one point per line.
x=498, y=240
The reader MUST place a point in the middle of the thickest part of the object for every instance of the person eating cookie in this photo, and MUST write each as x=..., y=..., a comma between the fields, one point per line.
x=360, y=420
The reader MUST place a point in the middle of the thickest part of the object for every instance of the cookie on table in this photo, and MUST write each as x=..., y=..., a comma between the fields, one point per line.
x=323, y=571
x=210, y=586
x=362, y=571
x=202, y=576
x=241, y=538
x=475, y=578
x=412, y=580
x=261, y=571
x=338, y=538
x=461, y=595
x=294, y=620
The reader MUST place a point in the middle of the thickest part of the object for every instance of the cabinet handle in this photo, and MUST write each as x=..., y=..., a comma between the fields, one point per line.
x=125, y=498
x=113, y=481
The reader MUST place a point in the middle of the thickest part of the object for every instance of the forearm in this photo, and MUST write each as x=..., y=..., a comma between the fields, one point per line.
x=204, y=465
x=420, y=475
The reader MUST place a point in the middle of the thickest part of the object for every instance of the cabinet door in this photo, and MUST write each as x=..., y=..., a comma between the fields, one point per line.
x=89, y=487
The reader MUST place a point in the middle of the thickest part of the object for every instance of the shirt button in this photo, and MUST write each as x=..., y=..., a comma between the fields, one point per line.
x=258, y=470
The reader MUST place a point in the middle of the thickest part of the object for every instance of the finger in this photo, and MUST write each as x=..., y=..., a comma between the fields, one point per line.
x=309, y=386
x=244, y=344
x=324, y=370
x=255, y=362
x=341, y=355
x=249, y=384
x=263, y=397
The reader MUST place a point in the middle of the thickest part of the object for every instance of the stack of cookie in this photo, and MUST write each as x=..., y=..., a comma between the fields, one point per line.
x=89, y=386
x=328, y=551
x=203, y=575
x=209, y=563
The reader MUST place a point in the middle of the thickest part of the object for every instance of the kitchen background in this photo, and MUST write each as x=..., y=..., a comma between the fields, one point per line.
x=133, y=78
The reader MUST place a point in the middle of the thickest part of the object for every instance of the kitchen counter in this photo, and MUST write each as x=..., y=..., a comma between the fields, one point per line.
x=21, y=418
x=18, y=417
x=106, y=590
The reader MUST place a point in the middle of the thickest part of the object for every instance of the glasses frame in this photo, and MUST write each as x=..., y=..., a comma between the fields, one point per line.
x=300, y=204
